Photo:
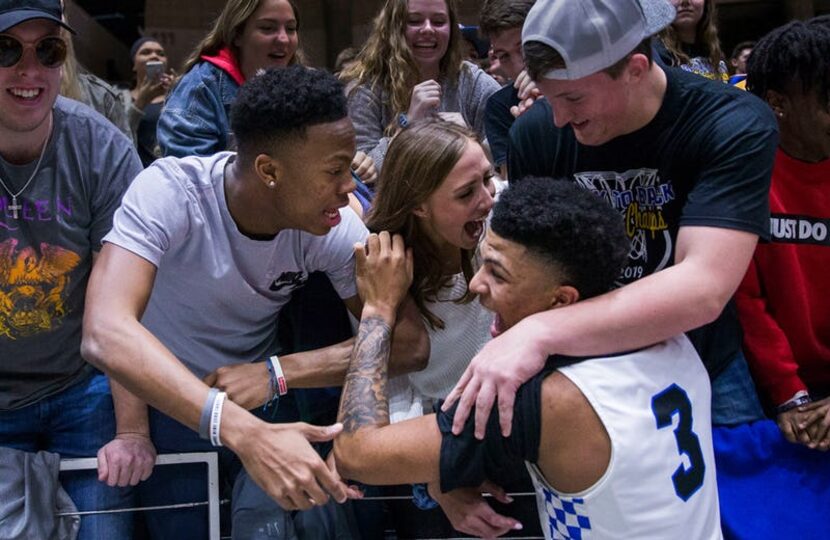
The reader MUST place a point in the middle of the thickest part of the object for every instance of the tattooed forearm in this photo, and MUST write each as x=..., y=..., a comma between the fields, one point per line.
x=364, y=401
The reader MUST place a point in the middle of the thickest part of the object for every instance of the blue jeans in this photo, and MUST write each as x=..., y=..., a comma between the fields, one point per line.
x=180, y=484
x=254, y=514
x=76, y=422
x=257, y=517
x=734, y=399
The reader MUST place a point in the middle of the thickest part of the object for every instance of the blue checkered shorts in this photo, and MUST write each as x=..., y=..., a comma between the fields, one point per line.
x=564, y=518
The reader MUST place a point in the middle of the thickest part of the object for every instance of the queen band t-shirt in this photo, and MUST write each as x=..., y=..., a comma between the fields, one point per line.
x=46, y=252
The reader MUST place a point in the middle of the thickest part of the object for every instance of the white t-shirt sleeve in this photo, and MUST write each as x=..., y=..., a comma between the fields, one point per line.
x=153, y=215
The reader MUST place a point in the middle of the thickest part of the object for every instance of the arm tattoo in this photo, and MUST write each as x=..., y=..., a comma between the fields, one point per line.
x=364, y=401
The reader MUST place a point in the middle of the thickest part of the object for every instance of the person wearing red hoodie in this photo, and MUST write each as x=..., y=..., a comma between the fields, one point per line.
x=782, y=301
x=246, y=37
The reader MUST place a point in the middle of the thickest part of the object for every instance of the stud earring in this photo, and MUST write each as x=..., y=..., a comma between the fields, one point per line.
x=272, y=184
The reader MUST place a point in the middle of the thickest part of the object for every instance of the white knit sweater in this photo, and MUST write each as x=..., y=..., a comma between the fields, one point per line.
x=466, y=330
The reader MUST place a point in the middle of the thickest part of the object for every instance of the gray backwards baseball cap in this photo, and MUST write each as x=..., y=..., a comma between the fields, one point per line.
x=592, y=35
x=14, y=12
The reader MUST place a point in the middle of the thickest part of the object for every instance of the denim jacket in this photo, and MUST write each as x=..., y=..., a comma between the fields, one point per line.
x=196, y=115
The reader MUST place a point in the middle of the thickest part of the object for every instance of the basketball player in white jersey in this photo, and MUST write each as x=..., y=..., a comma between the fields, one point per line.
x=617, y=447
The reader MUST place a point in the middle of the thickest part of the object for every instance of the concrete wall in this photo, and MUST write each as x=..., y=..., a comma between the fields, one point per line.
x=179, y=26
x=743, y=20
x=98, y=50
x=331, y=25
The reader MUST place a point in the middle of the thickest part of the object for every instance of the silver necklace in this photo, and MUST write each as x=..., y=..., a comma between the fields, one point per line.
x=14, y=207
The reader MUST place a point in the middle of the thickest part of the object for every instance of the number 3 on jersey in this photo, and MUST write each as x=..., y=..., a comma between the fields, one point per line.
x=673, y=400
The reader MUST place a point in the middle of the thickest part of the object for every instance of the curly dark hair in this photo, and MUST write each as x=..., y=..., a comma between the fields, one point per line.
x=797, y=51
x=580, y=234
x=283, y=102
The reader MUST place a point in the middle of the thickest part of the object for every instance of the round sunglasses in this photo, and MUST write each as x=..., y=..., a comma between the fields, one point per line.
x=50, y=51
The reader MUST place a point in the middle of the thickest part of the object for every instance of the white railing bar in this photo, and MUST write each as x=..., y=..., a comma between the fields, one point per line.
x=209, y=458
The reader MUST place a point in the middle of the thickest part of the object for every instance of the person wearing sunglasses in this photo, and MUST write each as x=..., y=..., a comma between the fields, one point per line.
x=50, y=51
x=63, y=171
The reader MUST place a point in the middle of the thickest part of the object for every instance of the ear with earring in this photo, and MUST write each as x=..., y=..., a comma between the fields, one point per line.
x=266, y=170
x=777, y=102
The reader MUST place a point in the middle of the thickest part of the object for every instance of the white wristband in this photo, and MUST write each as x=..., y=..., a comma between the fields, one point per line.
x=216, y=418
x=282, y=386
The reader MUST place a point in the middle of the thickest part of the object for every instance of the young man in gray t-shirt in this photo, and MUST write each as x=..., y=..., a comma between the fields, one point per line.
x=204, y=253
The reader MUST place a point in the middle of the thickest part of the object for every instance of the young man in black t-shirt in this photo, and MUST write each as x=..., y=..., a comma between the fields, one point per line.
x=686, y=162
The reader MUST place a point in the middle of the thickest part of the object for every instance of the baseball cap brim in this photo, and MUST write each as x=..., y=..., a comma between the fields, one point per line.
x=13, y=18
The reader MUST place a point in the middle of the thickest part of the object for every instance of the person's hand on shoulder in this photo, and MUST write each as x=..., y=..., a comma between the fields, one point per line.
x=495, y=374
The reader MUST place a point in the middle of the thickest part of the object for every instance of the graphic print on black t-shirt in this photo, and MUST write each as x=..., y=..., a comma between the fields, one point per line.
x=33, y=287
x=640, y=195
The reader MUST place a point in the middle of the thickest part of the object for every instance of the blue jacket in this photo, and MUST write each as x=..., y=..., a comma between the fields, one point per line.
x=196, y=115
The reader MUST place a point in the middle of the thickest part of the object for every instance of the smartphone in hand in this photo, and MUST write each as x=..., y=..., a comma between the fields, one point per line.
x=154, y=70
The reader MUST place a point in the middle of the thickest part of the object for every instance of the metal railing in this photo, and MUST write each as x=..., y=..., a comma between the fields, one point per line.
x=209, y=458
x=213, y=502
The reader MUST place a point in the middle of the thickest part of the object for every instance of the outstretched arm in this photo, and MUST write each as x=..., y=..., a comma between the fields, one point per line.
x=371, y=450
x=277, y=456
x=248, y=384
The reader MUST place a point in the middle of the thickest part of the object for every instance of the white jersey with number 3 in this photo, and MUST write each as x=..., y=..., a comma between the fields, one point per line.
x=660, y=482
